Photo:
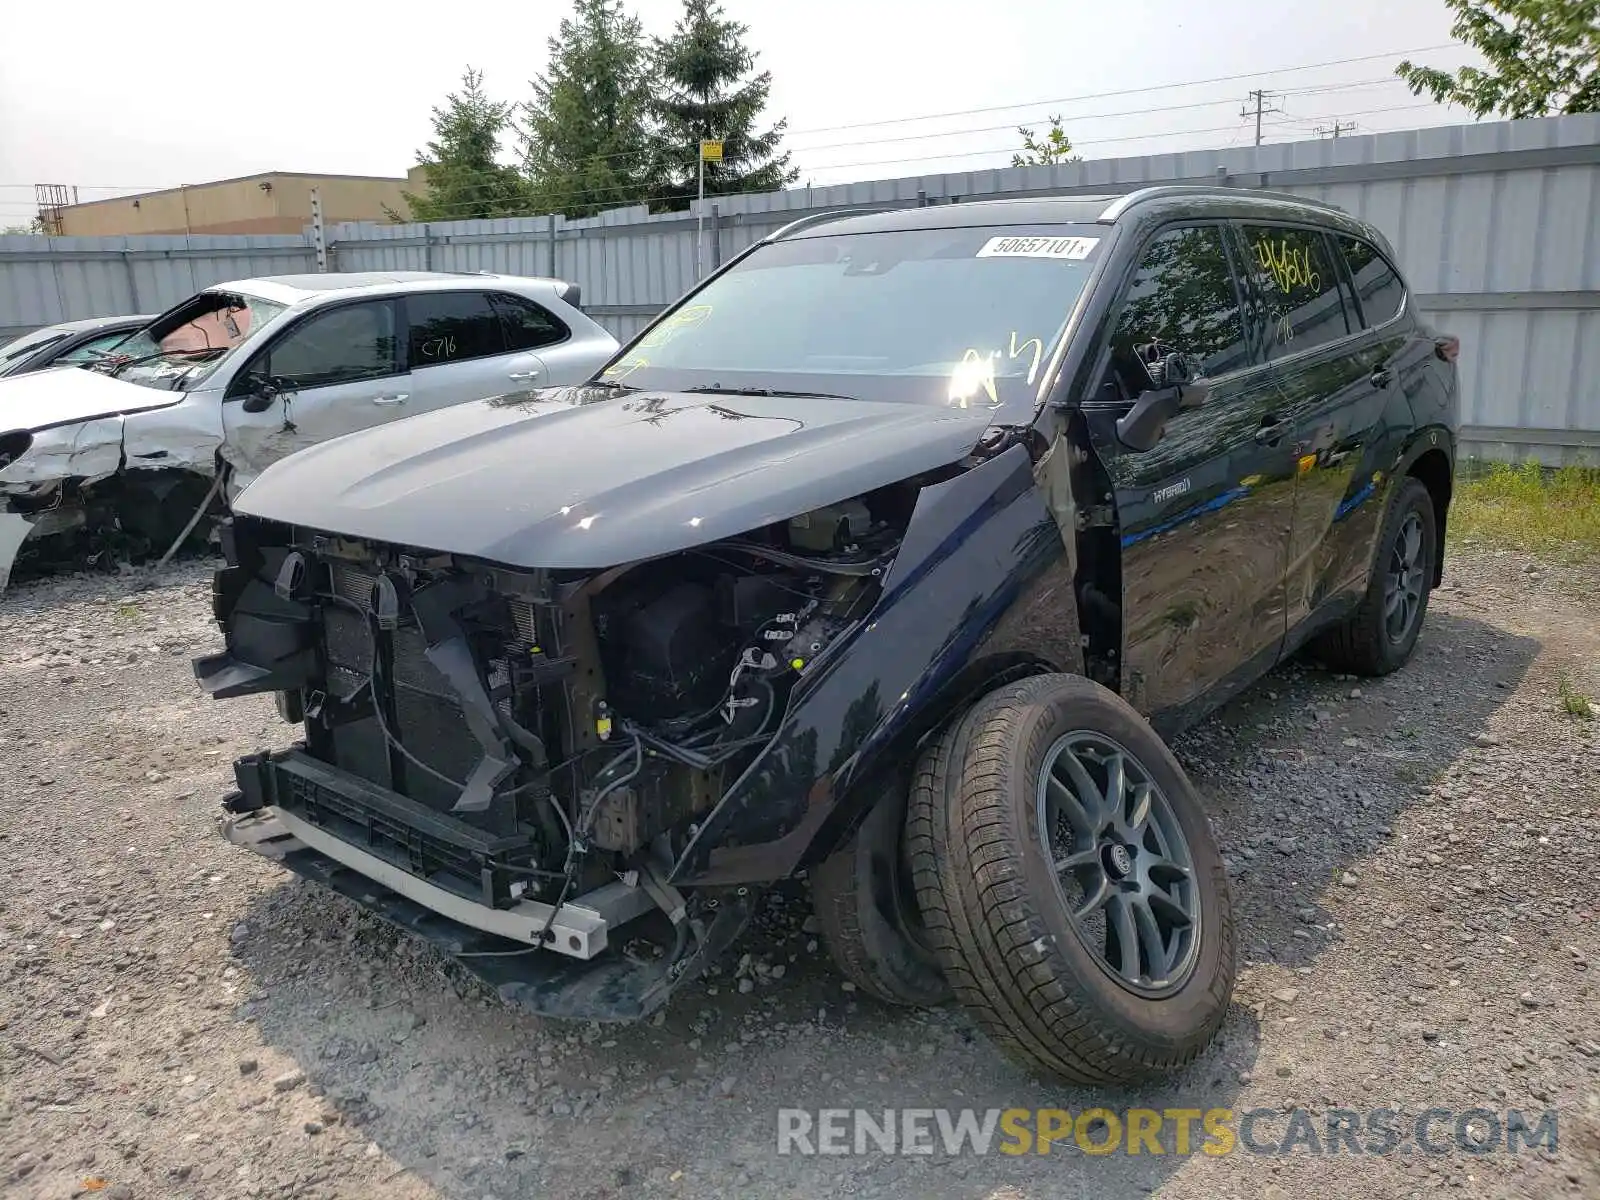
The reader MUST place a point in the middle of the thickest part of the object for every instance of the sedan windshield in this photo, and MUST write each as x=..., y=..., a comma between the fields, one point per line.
x=943, y=316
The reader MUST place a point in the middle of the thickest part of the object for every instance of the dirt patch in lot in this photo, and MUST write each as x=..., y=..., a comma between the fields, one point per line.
x=1414, y=862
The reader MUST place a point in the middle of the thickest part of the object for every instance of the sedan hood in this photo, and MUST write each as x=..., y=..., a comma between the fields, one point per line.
x=67, y=395
x=583, y=478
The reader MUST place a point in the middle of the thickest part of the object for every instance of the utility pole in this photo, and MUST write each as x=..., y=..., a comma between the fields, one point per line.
x=319, y=235
x=1260, y=98
x=1335, y=129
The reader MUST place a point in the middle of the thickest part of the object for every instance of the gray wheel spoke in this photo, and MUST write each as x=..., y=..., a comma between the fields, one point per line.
x=1078, y=860
x=1116, y=787
x=1069, y=803
x=1089, y=796
x=1095, y=900
x=1391, y=602
x=1120, y=919
x=1155, y=946
x=1413, y=541
x=1141, y=811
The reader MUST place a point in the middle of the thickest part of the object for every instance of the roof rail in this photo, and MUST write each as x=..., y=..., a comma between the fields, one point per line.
x=810, y=219
x=1118, y=207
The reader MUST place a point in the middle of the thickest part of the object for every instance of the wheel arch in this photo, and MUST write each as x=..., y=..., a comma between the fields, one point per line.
x=1433, y=469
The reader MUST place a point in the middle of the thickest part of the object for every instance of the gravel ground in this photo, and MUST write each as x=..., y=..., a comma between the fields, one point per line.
x=1414, y=864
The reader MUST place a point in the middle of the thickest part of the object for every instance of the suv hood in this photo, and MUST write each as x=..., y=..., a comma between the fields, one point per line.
x=583, y=478
x=66, y=395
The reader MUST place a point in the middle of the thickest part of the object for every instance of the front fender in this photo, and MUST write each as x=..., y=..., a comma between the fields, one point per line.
x=983, y=560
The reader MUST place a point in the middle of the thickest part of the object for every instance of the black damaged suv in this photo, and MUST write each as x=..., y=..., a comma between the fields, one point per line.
x=863, y=560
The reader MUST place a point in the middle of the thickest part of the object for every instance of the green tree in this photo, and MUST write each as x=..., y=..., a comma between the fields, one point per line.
x=585, y=136
x=707, y=92
x=34, y=226
x=1054, y=147
x=465, y=180
x=1543, y=58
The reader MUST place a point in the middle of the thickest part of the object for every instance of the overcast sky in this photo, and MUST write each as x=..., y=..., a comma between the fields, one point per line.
x=115, y=99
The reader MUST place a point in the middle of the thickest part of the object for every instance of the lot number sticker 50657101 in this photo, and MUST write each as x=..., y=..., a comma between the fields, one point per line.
x=1038, y=247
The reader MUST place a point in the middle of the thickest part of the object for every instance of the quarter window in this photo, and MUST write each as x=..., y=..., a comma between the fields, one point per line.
x=341, y=345
x=1183, y=297
x=527, y=325
x=1378, y=288
x=450, y=327
x=1300, y=286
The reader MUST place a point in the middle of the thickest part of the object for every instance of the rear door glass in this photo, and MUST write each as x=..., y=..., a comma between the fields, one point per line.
x=449, y=327
x=1300, y=286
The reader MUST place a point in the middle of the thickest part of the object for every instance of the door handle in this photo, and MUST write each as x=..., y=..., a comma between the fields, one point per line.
x=523, y=375
x=398, y=398
x=1382, y=377
x=1271, y=431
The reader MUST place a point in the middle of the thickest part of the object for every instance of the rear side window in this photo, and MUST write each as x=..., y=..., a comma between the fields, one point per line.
x=1183, y=296
x=1378, y=287
x=340, y=345
x=1303, y=306
x=451, y=327
x=527, y=325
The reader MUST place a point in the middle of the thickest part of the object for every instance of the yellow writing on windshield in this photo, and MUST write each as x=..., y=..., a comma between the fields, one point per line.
x=626, y=367
x=974, y=373
x=684, y=318
x=1290, y=266
x=1038, y=351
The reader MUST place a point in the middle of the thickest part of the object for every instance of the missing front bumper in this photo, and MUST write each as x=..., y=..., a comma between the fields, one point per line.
x=610, y=988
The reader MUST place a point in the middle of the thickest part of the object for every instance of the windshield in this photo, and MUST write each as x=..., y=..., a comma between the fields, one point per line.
x=939, y=316
x=186, y=353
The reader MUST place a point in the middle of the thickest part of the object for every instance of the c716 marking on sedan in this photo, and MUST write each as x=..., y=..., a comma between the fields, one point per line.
x=1038, y=247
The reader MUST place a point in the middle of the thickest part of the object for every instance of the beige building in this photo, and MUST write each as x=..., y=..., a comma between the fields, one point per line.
x=274, y=202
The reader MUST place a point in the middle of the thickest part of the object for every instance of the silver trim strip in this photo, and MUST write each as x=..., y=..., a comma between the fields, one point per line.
x=578, y=931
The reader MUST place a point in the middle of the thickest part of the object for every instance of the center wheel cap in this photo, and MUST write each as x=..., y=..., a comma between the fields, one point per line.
x=1119, y=863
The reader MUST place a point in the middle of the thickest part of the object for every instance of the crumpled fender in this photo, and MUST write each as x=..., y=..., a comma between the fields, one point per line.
x=982, y=552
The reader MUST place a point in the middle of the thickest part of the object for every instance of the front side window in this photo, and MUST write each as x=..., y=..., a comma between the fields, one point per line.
x=1300, y=287
x=527, y=326
x=1182, y=298
x=341, y=345
x=449, y=327
x=1378, y=289
x=957, y=316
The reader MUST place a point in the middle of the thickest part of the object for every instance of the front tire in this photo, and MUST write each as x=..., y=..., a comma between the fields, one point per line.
x=1380, y=636
x=1070, y=884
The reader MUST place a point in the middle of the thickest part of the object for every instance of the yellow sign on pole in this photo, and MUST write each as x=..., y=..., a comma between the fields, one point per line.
x=711, y=151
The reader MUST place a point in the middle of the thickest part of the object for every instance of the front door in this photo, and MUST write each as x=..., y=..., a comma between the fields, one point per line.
x=338, y=370
x=1204, y=515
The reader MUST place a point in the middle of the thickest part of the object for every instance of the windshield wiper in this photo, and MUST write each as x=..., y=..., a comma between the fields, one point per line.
x=715, y=389
x=120, y=367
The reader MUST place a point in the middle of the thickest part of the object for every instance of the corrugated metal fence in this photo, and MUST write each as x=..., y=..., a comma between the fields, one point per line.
x=1497, y=226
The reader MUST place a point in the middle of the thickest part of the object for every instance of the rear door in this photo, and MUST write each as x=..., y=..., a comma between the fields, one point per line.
x=1205, y=514
x=337, y=370
x=459, y=350
x=535, y=332
x=1336, y=382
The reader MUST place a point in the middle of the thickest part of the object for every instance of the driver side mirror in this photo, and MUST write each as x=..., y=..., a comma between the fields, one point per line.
x=1176, y=385
x=263, y=391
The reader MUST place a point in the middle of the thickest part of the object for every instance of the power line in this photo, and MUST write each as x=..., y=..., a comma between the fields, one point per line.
x=1158, y=87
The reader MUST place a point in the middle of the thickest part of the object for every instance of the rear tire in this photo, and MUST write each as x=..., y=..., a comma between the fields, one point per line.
x=863, y=900
x=985, y=833
x=1381, y=634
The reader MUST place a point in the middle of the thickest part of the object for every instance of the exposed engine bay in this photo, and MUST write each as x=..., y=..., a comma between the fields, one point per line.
x=534, y=739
